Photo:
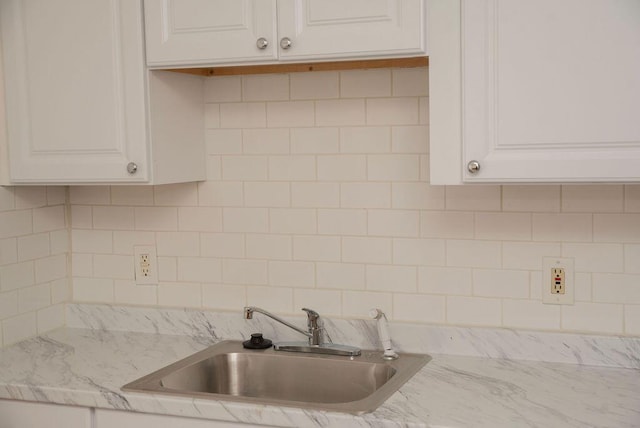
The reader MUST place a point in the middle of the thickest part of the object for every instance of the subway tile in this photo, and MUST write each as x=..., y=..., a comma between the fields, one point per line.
x=244, y=272
x=199, y=269
x=314, y=86
x=342, y=222
x=129, y=293
x=92, y=241
x=200, y=219
x=156, y=218
x=396, y=279
x=183, y=244
x=394, y=167
x=508, y=284
x=269, y=247
x=419, y=308
x=113, y=218
x=244, y=167
x=243, y=115
x=632, y=320
x=265, y=87
x=224, y=296
x=34, y=298
x=592, y=198
x=365, y=195
x=287, y=114
x=321, y=195
x=593, y=317
x=60, y=291
x=50, y=318
x=90, y=195
x=81, y=265
x=394, y=223
x=267, y=194
x=33, y=246
x=7, y=198
x=53, y=268
x=447, y=224
x=131, y=195
x=223, y=141
x=342, y=276
x=616, y=227
x=365, y=83
x=425, y=169
x=445, y=280
x=562, y=227
x=211, y=116
x=59, y=241
x=616, y=288
x=218, y=89
x=123, y=242
x=291, y=274
x=340, y=112
x=292, y=168
x=415, y=195
x=632, y=198
x=30, y=197
x=393, y=111
x=265, y=141
x=8, y=251
x=365, y=139
x=293, y=220
x=532, y=198
x=530, y=314
x=8, y=304
x=220, y=194
x=222, y=245
x=419, y=252
x=15, y=223
x=410, y=139
x=478, y=254
x=357, y=304
x=167, y=269
x=314, y=140
x=366, y=250
x=410, y=82
x=595, y=257
x=503, y=226
x=474, y=311
x=180, y=295
x=473, y=198
x=93, y=290
x=528, y=255
x=583, y=287
x=81, y=217
x=342, y=168
x=48, y=219
x=56, y=195
x=250, y=220
x=631, y=258
x=19, y=328
x=277, y=299
x=317, y=248
x=213, y=167
x=326, y=302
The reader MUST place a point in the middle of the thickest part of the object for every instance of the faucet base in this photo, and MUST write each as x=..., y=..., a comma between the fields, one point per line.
x=326, y=348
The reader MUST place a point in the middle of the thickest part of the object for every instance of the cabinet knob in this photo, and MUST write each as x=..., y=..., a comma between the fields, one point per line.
x=473, y=166
x=285, y=43
x=132, y=168
x=262, y=43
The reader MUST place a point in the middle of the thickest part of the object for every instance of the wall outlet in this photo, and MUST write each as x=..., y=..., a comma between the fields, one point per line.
x=557, y=281
x=146, y=265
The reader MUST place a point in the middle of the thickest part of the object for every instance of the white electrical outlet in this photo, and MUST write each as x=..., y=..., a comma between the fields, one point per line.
x=146, y=265
x=557, y=281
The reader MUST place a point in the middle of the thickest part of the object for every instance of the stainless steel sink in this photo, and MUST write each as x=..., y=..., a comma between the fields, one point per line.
x=227, y=371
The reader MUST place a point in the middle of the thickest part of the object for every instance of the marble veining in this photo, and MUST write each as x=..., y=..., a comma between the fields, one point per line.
x=606, y=351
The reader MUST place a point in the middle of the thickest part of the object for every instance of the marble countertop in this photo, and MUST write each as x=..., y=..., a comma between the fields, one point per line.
x=87, y=367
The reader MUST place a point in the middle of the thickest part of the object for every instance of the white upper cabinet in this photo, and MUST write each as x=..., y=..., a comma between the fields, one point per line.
x=80, y=104
x=535, y=90
x=212, y=32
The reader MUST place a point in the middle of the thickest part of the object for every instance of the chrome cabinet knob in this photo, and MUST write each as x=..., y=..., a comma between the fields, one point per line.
x=285, y=43
x=262, y=43
x=132, y=168
x=473, y=166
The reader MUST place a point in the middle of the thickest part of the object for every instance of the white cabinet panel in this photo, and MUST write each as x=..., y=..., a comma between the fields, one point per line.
x=550, y=92
x=21, y=414
x=202, y=31
x=212, y=32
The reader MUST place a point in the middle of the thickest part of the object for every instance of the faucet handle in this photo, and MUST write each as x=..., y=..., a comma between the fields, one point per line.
x=313, y=318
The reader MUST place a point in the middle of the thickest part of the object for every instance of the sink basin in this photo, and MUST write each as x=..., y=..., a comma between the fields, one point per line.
x=227, y=371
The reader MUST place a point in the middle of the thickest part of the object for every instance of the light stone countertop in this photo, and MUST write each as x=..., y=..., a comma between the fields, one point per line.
x=87, y=367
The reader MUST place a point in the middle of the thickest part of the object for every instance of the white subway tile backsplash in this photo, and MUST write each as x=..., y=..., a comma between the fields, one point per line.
x=180, y=295
x=265, y=141
x=593, y=317
x=156, y=218
x=265, y=87
x=33, y=246
x=200, y=219
x=123, y=242
x=632, y=320
x=583, y=287
x=224, y=141
x=342, y=168
x=393, y=111
x=417, y=195
x=357, y=304
x=245, y=220
x=367, y=250
x=92, y=241
x=48, y=219
x=394, y=223
x=93, y=290
x=293, y=168
x=292, y=274
x=447, y=224
x=53, y=268
x=631, y=258
x=224, y=245
x=445, y=281
x=8, y=251
x=473, y=198
x=90, y=195
x=277, y=299
x=267, y=194
x=128, y=293
x=419, y=252
x=269, y=247
x=290, y=113
x=301, y=221
x=19, y=328
x=528, y=255
x=410, y=82
x=242, y=271
x=349, y=222
x=340, y=112
x=419, y=308
x=113, y=218
x=185, y=244
x=223, y=89
x=211, y=116
x=244, y=168
x=365, y=195
x=595, y=257
x=478, y=311
x=616, y=227
x=56, y=195
x=50, y=318
x=531, y=314
x=199, y=269
x=131, y=195
x=592, y=198
x=616, y=288
x=8, y=304
x=400, y=279
x=531, y=198
x=315, y=140
x=341, y=276
x=7, y=198
x=317, y=248
x=562, y=227
x=478, y=254
x=221, y=194
x=243, y=115
x=15, y=223
x=410, y=139
x=365, y=83
x=508, y=284
x=395, y=167
x=309, y=195
x=34, y=298
x=365, y=139
x=503, y=226
x=30, y=197
x=314, y=86
x=224, y=297
x=168, y=269
x=326, y=302
x=632, y=198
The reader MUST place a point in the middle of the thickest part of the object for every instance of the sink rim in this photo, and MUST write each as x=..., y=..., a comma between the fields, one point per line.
x=406, y=366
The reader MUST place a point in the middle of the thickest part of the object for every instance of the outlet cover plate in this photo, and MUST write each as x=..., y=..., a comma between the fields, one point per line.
x=550, y=263
x=145, y=261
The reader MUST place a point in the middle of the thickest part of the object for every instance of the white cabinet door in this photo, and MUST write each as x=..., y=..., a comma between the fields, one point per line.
x=550, y=92
x=21, y=414
x=192, y=32
x=75, y=91
x=118, y=419
x=328, y=29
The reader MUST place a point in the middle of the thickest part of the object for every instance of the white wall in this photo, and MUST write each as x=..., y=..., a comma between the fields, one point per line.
x=317, y=195
x=34, y=247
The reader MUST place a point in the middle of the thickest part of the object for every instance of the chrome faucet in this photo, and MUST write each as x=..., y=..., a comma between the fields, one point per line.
x=315, y=333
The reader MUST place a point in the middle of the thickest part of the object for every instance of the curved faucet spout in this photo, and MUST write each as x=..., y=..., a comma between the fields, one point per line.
x=248, y=314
